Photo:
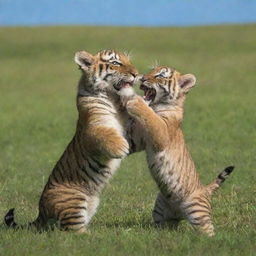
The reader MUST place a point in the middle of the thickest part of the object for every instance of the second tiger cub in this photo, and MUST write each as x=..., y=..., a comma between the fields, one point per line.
x=181, y=193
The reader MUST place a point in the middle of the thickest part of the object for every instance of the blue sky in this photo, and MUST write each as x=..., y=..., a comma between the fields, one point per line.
x=126, y=12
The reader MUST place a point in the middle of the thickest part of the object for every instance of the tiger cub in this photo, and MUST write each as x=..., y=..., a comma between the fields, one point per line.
x=181, y=193
x=71, y=195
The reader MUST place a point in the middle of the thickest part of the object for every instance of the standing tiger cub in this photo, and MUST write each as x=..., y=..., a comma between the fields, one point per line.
x=71, y=194
x=181, y=193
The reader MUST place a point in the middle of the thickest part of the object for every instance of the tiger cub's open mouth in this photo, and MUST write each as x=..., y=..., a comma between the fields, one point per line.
x=149, y=93
x=122, y=84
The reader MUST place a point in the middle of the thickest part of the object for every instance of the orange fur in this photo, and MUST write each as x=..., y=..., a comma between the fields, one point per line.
x=71, y=195
x=181, y=193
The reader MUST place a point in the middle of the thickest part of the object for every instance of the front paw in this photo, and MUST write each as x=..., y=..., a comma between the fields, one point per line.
x=122, y=148
x=133, y=105
x=117, y=147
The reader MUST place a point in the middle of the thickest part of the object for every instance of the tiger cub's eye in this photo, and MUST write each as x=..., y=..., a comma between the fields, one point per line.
x=161, y=75
x=116, y=63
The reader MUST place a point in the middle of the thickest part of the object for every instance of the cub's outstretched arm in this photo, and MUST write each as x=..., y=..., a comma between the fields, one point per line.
x=153, y=124
x=101, y=134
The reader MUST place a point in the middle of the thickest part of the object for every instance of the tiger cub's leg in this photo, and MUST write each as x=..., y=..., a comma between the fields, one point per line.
x=79, y=215
x=73, y=218
x=67, y=206
x=93, y=203
x=197, y=209
x=163, y=214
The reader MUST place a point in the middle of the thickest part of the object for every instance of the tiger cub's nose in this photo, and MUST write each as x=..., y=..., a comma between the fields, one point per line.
x=143, y=79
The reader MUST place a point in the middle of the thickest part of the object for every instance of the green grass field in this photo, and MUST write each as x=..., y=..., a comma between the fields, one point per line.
x=38, y=80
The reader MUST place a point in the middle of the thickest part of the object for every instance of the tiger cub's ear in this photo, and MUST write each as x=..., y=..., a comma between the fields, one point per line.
x=186, y=82
x=84, y=59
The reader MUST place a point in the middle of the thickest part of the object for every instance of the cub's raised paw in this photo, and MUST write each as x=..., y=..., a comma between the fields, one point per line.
x=117, y=147
x=134, y=105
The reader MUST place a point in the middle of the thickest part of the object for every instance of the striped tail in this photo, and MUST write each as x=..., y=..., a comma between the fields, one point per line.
x=9, y=219
x=220, y=179
x=10, y=222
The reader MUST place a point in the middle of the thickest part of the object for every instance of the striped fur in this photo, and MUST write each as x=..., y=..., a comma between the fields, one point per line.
x=71, y=195
x=181, y=193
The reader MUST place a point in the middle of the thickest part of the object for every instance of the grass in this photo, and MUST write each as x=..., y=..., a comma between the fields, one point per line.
x=37, y=87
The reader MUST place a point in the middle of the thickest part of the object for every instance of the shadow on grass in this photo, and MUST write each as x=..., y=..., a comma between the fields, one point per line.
x=145, y=225
x=125, y=224
x=3, y=227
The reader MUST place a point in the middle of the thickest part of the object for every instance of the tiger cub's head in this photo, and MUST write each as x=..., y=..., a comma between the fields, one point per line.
x=106, y=70
x=166, y=85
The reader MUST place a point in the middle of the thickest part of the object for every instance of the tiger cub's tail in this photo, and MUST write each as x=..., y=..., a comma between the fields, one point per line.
x=10, y=222
x=9, y=219
x=220, y=179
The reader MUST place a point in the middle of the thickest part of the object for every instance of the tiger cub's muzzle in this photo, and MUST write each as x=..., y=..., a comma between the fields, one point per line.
x=149, y=91
x=125, y=83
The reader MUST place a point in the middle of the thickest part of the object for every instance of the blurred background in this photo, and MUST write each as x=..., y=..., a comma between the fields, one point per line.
x=214, y=40
x=126, y=13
